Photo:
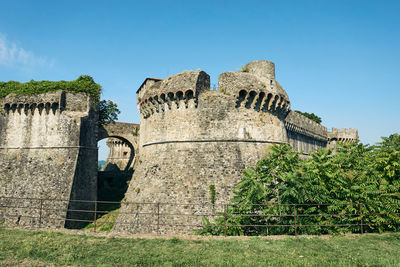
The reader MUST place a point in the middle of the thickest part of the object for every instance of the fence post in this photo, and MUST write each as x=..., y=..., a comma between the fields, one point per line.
x=295, y=216
x=361, y=219
x=225, y=219
x=40, y=213
x=158, y=218
x=95, y=215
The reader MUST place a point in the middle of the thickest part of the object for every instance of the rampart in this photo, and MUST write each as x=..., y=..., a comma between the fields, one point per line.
x=304, y=134
x=47, y=145
x=342, y=136
x=192, y=142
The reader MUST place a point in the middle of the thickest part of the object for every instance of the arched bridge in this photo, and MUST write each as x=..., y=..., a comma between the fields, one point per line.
x=127, y=132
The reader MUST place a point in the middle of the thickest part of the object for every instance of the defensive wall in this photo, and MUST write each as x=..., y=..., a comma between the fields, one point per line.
x=47, y=147
x=192, y=138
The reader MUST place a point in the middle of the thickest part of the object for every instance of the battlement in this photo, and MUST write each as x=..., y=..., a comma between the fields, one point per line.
x=298, y=123
x=174, y=92
x=344, y=135
x=50, y=102
x=113, y=142
x=254, y=88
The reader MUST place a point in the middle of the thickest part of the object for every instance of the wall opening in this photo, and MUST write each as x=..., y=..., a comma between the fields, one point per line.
x=116, y=159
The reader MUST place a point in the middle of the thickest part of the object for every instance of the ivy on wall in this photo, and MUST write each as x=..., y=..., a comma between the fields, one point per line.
x=84, y=83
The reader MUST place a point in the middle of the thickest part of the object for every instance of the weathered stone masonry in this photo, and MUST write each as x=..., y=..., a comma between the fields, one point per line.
x=48, y=150
x=192, y=137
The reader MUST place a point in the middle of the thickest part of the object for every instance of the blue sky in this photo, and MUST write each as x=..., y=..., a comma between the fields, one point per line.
x=338, y=59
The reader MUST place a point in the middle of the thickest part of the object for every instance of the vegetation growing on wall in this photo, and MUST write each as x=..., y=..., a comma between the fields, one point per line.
x=340, y=181
x=212, y=194
x=243, y=69
x=311, y=116
x=108, y=110
x=84, y=83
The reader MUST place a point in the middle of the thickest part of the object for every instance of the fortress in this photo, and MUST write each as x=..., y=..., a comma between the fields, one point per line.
x=189, y=138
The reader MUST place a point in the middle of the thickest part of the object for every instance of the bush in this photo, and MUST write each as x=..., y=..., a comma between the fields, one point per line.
x=337, y=186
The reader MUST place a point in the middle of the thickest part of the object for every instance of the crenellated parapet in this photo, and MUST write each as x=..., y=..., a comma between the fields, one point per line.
x=45, y=104
x=263, y=102
x=178, y=91
x=295, y=122
x=49, y=102
x=48, y=150
x=343, y=136
x=256, y=88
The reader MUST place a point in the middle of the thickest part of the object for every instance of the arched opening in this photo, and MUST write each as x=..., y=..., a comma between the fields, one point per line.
x=116, y=159
x=241, y=97
x=250, y=99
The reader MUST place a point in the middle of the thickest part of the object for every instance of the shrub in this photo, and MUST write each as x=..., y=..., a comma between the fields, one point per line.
x=333, y=187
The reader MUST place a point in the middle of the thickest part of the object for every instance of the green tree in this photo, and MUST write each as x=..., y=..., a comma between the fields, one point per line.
x=332, y=188
x=108, y=112
x=311, y=116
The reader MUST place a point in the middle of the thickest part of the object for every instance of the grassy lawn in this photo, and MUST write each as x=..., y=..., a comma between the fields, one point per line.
x=52, y=248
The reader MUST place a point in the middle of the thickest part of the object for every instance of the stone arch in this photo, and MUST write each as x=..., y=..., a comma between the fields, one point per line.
x=260, y=98
x=126, y=132
x=189, y=94
x=112, y=183
x=240, y=98
x=7, y=108
x=250, y=99
x=130, y=162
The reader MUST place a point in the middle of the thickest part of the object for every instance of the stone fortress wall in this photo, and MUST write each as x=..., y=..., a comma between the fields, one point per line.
x=342, y=136
x=47, y=145
x=192, y=138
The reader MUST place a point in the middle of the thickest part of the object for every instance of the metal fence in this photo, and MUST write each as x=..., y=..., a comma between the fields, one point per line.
x=159, y=218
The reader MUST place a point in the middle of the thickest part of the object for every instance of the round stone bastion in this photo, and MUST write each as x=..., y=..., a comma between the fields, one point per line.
x=196, y=142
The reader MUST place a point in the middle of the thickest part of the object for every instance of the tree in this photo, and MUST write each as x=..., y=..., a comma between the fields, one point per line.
x=329, y=190
x=311, y=116
x=108, y=112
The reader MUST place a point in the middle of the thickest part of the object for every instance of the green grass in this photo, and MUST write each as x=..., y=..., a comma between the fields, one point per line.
x=52, y=248
x=104, y=223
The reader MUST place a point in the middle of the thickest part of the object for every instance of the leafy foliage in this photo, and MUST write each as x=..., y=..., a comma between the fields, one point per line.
x=108, y=112
x=342, y=187
x=311, y=116
x=84, y=83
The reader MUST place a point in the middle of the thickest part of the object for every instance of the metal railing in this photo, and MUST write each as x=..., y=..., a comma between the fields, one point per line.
x=161, y=218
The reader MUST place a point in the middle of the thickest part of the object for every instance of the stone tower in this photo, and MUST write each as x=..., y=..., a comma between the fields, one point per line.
x=48, y=157
x=192, y=137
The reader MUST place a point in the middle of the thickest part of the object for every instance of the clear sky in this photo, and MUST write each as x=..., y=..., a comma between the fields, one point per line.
x=337, y=59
